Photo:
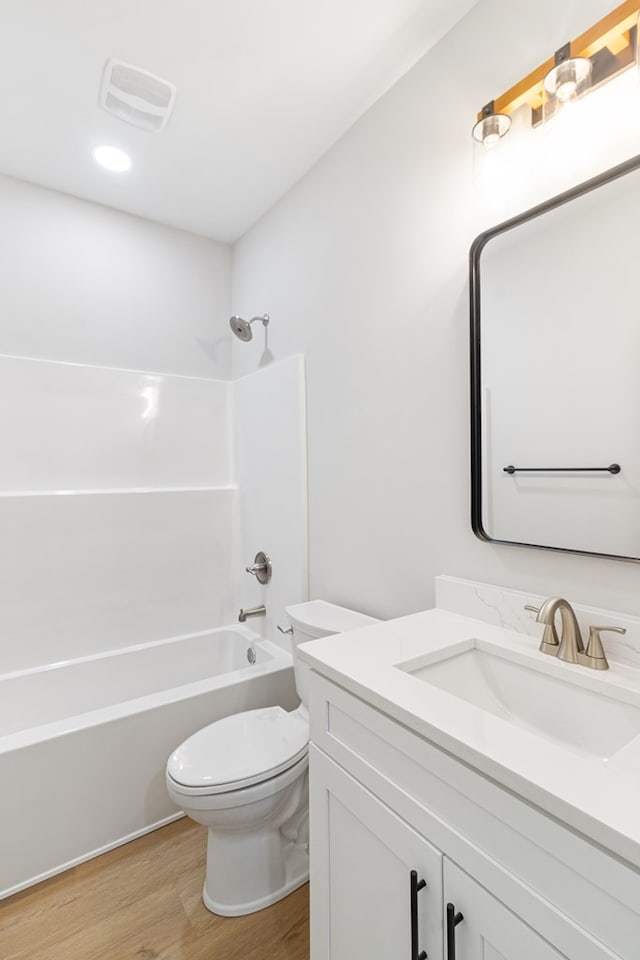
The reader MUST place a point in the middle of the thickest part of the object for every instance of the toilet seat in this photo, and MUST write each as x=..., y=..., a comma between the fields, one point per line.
x=197, y=799
x=239, y=751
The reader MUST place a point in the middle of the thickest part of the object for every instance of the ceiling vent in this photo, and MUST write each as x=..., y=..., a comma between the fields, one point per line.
x=136, y=96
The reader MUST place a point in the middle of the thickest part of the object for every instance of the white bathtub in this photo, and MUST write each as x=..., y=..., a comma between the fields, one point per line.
x=83, y=744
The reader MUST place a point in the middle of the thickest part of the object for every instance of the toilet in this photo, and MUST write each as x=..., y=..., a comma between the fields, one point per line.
x=245, y=777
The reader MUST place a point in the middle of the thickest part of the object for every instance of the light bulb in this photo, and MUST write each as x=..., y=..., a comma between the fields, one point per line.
x=112, y=158
x=568, y=79
x=567, y=90
x=491, y=128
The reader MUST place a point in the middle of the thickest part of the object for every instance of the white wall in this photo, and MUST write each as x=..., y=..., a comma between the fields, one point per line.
x=87, y=284
x=363, y=267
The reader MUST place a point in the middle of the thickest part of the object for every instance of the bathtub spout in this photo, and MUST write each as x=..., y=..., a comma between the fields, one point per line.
x=252, y=612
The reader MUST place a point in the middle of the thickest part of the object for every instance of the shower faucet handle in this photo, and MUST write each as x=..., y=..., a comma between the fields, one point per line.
x=261, y=568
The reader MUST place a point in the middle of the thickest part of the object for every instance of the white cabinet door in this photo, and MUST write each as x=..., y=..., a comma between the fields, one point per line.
x=362, y=858
x=488, y=930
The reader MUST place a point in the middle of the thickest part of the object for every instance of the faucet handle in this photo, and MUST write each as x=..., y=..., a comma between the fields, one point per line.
x=594, y=656
x=260, y=568
x=550, y=641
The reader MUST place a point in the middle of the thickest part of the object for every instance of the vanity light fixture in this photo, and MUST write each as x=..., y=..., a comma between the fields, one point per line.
x=593, y=58
x=492, y=127
x=568, y=80
x=112, y=158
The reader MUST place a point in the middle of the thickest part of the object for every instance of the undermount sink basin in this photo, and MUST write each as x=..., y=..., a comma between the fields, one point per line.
x=523, y=693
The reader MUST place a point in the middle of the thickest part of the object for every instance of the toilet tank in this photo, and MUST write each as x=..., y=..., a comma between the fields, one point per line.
x=314, y=619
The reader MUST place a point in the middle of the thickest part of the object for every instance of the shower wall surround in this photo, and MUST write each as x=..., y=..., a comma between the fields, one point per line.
x=116, y=507
x=116, y=490
x=131, y=500
x=74, y=427
x=270, y=453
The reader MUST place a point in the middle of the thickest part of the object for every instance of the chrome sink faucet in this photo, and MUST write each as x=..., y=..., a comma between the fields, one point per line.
x=570, y=638
x=570, y=647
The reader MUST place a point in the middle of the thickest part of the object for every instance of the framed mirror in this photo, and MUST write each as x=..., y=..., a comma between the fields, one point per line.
x=555, y=372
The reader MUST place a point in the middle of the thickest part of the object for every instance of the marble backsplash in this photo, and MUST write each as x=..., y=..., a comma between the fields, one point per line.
x=505, y=608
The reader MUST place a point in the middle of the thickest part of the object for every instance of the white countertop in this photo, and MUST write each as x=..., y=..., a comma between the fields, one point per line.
x=589, y=794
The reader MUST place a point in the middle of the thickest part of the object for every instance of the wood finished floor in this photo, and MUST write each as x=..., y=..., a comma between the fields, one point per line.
x=143, y=902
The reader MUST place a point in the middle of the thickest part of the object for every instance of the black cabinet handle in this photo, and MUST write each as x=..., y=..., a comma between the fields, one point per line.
x=453, y=919
x=416, y=886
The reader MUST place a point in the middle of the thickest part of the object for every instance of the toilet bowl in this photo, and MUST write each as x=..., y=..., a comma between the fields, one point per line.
x=245, y=778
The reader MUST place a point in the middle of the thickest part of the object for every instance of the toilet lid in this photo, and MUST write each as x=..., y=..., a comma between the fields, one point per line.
x=240, y=750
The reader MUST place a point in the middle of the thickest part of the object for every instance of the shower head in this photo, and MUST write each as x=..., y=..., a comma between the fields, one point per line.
x=242, y=328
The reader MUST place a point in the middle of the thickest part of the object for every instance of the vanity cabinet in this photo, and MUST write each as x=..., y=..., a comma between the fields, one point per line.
x=373, y=865
x=386, y=802
x=374, y=902
x=487, y=930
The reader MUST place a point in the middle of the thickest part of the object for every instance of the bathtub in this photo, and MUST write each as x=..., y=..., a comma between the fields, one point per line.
x=83, y=744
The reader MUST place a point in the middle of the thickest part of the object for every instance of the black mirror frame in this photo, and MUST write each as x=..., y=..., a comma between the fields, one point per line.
x=478, y=245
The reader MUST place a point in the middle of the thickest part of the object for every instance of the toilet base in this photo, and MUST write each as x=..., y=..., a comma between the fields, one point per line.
x=295, y=860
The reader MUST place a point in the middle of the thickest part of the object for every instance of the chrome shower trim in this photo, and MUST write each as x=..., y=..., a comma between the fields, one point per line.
x=242, y=328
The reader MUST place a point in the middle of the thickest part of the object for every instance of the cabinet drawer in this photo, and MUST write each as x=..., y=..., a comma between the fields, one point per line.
x=542, y=870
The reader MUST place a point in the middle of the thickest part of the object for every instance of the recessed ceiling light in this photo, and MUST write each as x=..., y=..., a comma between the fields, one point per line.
x=112, y=158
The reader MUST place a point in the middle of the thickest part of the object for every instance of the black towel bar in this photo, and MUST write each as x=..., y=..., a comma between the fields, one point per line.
x=612, y=468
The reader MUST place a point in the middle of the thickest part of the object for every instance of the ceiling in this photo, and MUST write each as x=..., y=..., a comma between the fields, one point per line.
x=264, y=89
